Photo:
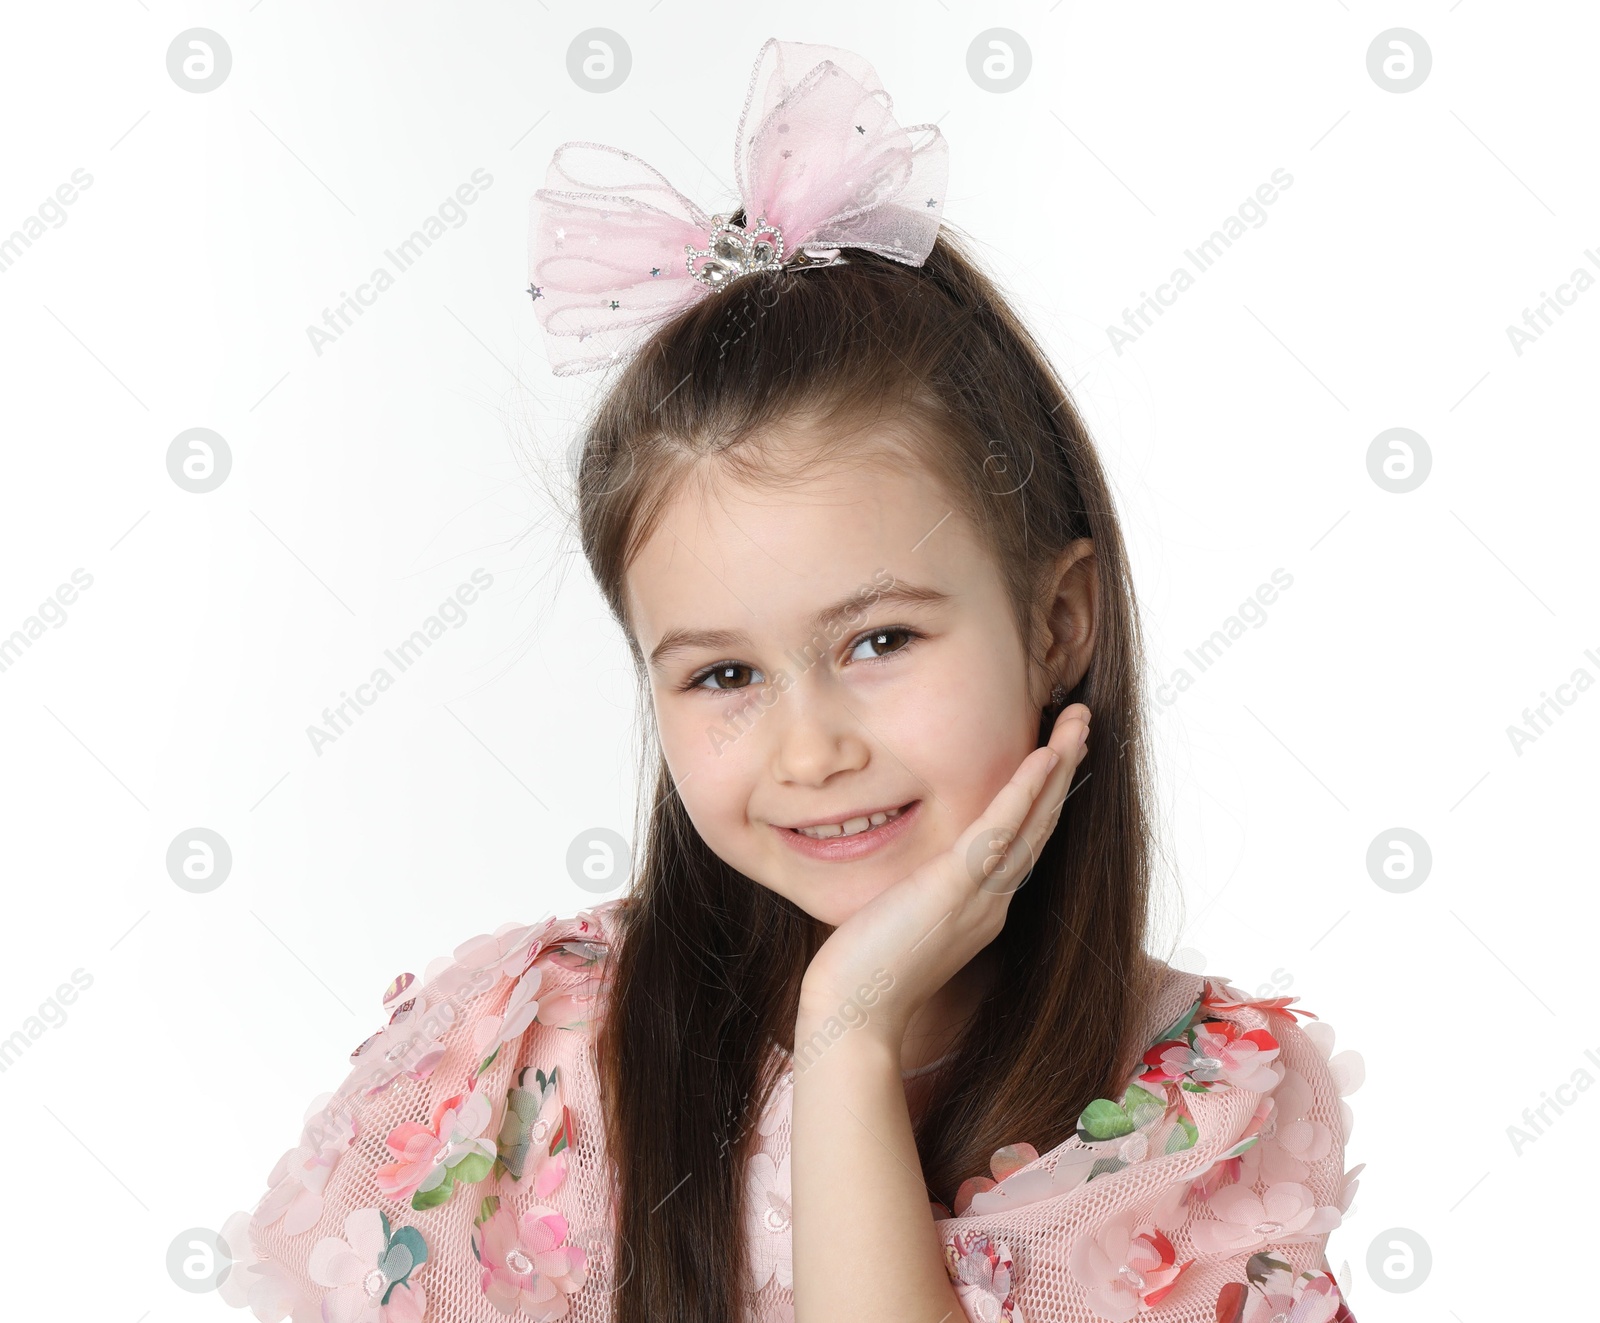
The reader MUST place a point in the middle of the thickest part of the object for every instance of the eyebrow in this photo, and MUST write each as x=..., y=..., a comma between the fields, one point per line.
x=909, y=594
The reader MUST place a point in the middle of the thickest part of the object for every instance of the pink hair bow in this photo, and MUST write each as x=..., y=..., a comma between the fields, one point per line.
x=821, y=164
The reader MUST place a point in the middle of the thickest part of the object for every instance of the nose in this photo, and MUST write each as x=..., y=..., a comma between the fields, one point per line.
x=815, y=734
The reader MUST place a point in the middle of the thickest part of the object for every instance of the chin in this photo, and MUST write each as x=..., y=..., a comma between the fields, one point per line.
x=834, y=907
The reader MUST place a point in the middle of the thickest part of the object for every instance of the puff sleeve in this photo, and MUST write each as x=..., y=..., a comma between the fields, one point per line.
x=1203, y=1194
x=458, y=1168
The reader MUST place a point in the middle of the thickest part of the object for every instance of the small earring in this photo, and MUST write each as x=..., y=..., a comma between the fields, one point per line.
x=1058, y=694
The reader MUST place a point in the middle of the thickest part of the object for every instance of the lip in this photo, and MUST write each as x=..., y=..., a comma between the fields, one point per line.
x=845, y=817
x=837, y=849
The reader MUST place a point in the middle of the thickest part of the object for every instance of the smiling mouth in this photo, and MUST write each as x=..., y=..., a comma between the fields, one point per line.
x=850, y=826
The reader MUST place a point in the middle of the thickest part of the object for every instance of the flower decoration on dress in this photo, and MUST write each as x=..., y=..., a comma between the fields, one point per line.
x=768, y=1210
x=505, y=953
x=535, y=1132
x=524, y=1264
x=983, y=1274
x=1221, y=997
x=573, y=1008
x=297, y=1179
x=1296, y=1141
x=1282, y=1214
x=1274, y=1294
x=1230, y=1165
x=1141, y=1123
x=1106, y=1119
x=1347, y=1068
x=820, y=165
x=1007, y=1159
x=1213, y=1054
x=369, y=1271
x=779, y=1104
x=1124, y=1271
x=408, y=1045
x=522, y=957
x=261, y=1285
x=1348, y=1184
x=432, y=1158
x=1151, y=1118
x=979, y=1195
x=491, y=1032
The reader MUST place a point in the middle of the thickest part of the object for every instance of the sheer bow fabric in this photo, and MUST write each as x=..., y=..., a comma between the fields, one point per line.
x=818, y=154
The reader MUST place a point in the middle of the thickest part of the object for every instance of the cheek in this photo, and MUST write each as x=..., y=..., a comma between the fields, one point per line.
x=979, y=739
x=709, y=748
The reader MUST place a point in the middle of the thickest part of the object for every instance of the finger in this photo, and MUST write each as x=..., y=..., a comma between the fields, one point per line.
x=1041, y=821
x=1015, y=854
x=983, y=846
x=1065, y=735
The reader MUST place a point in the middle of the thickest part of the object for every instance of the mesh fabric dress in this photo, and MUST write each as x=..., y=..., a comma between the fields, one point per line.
x=459, y=1172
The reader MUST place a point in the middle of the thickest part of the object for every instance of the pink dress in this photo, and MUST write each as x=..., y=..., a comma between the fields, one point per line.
x=460, y=1169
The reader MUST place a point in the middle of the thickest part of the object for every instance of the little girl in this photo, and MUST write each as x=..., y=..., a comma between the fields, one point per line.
x=873, y=1034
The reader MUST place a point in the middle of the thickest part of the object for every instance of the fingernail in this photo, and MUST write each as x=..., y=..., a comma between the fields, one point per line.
x=1083, y=737
x=1050, y=763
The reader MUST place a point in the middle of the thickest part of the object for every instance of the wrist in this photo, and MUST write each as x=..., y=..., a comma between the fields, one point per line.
x=837, y=1032
x=853, y=1009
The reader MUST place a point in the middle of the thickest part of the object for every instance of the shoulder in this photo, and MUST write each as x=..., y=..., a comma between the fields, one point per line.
x=1219, y=1161
x=1208, y=1067
x=496, y=985
x=1206, y=1036
x=478, y=1079
x=1258, y=1093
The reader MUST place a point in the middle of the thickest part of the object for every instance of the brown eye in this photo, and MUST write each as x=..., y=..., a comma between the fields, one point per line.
x=877, y=636
x=724, y=677
x=723, y=673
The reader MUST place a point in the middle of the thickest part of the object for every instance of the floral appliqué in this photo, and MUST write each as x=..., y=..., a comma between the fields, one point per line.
x=1212, y=1054
x=369, y=1271
x=535, y=1132
x=433, y=1158
x=1274, y=1294
x=1125, y=1268
x=297, y=1179
x=264, y=1286
x=768, y=1211
x=982, y=1271
x=524, y=1263
x=525, y=965
x=1126, y=1271
x=408, y=1046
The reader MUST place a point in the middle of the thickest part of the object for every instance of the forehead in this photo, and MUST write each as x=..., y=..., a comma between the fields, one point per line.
x=739, y=554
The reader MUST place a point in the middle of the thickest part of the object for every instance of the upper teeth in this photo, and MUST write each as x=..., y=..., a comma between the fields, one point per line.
x=849, y=827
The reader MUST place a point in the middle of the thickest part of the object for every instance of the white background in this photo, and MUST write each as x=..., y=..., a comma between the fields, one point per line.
x=369, y=481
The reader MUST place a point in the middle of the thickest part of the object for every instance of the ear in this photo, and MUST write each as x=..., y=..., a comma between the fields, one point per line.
x=1067, y=614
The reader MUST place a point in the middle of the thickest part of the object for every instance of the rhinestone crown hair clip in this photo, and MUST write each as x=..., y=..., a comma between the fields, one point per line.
x=820, y=162
x=735, y=252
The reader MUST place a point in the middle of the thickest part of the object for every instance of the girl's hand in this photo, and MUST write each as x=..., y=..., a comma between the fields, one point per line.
x=906, y=943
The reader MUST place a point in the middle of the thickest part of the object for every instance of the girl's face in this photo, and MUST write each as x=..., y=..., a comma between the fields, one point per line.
x=824, y=651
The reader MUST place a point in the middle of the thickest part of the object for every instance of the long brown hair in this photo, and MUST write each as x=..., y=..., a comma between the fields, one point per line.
x=706, y=975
